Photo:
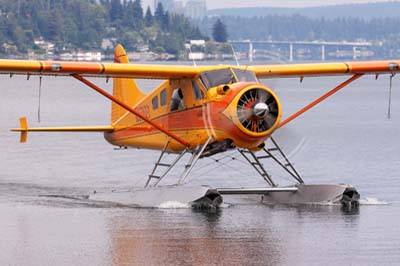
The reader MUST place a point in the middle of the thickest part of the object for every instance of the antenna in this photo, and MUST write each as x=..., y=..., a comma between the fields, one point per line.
x=234, y=55
x=189, y=48
x=39, y=98
x=390, y=95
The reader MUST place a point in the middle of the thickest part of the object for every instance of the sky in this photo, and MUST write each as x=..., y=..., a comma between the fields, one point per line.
x=211, y=4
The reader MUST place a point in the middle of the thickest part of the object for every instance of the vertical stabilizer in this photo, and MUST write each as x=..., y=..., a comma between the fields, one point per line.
x=124, y=89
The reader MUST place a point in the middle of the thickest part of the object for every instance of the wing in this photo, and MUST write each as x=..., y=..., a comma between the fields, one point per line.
x=354, y=69
x=55, y=68
x=325, y=69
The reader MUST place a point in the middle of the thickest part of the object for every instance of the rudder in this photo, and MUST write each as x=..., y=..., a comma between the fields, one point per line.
x=124, y=89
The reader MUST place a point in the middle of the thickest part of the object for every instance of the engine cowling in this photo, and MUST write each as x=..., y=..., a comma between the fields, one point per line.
x=255, y=110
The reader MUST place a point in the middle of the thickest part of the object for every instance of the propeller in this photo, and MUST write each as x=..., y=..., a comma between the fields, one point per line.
x=291, y=139
x=257, y=110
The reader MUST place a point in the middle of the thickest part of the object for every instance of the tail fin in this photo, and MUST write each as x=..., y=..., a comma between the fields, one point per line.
x=24, y=129
x=124, y=89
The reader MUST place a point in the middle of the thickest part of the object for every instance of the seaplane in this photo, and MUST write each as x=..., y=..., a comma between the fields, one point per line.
x=201, y=111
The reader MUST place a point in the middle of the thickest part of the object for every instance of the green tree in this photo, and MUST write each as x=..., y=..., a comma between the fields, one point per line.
x=138, y=14
x=219, y=31
x=128, y=20
x=72, y=24
x=133, y=15
x=116, y=10
x=159, y=14
x=148, y=18
x=165, y=25
x=171, y=43
x=130, y=40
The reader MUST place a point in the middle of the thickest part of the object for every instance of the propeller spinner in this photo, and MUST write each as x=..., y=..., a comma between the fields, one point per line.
x=258, y=110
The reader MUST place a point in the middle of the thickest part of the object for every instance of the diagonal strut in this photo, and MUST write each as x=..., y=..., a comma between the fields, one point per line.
x=130, y=109
x=320, y=99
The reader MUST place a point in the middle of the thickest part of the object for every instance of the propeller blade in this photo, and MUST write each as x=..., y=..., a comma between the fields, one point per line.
x=290, y=139
x=270, y=119
x=263, y=96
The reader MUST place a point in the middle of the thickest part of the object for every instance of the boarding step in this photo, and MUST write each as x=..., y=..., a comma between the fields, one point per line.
x=157, y=175
x=264, y=157
x=164, y=164
x=272, y=152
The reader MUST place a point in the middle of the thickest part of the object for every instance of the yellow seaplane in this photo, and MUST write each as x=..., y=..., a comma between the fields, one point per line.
x=200, y=111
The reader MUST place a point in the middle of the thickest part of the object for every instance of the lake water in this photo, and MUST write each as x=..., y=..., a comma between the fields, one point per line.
x=347, y=139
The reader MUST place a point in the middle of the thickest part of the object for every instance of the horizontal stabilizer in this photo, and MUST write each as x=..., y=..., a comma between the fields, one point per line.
x=24, y=129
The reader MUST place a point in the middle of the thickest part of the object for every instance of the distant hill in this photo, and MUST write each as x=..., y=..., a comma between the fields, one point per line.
x=365, y=11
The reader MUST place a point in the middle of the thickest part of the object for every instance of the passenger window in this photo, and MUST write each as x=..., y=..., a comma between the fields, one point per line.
x=198, y=94
x=155, y=102
x=163, y=97
x=177, y=100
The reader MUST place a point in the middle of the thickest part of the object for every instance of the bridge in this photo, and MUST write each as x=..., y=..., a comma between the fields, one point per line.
x=357, y=49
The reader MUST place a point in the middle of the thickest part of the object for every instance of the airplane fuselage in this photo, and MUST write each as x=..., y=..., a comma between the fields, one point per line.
x=223, y=104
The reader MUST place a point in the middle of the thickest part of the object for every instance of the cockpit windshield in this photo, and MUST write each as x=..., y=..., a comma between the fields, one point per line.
x=215, y=78
x=245, y=76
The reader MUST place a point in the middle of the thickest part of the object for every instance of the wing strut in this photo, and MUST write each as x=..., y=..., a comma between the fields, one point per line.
x=320, y=99
x=129, y=109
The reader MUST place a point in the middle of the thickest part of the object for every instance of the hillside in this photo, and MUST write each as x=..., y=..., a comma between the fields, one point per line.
x=353, y=23
x=365, y=11
x=60, y=26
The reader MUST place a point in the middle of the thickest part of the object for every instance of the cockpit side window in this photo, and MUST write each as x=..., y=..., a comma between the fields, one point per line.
x=197, y=92
x=177, y=100
x=204, y=80
x=215, y=78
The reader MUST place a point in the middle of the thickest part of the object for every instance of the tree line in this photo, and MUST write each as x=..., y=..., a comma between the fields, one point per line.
x=302, y=28
x=383, y=32
x=83, y=24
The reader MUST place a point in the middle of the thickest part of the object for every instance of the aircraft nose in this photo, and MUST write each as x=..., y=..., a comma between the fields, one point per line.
x=260, y=110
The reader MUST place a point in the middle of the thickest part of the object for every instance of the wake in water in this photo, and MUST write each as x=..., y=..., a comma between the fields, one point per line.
x=173, y=205
x=372, y=201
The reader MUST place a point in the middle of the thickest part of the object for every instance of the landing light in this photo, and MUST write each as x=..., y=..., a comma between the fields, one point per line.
x=223, y=89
